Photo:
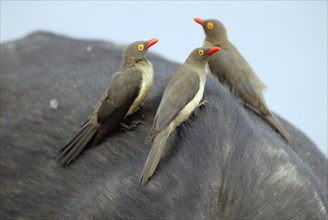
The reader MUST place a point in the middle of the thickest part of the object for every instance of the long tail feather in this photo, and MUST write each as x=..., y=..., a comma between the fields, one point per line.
x=265, y=113
x=155, y=155
x=276, y=125
x=72, y=141
x=71, y=150
x=81, y=145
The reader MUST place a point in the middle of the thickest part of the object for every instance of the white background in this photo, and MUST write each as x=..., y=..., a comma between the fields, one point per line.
x=285, y=42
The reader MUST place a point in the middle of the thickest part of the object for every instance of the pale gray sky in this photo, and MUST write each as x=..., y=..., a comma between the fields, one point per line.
x=284, y=41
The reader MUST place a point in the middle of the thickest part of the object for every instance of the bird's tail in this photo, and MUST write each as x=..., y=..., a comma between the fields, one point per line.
x=276, y=125
x=155, y=154
x=74, y=147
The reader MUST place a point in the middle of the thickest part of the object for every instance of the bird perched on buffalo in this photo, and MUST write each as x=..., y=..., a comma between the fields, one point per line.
x=230, y=66
x=128, y=89
x=181, y=97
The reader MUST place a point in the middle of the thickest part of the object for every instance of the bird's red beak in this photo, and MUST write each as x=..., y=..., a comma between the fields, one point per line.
x=151, y=42
x=199, y=21
x=213, y=50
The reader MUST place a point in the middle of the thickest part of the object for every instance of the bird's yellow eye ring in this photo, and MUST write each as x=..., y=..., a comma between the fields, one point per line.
x=201, y=52
x=141, y=47
x=210, y=25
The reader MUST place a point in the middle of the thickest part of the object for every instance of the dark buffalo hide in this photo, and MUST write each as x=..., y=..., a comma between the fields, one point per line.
x=224, y=162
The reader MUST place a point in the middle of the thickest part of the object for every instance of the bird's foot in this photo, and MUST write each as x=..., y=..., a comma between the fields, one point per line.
x=148, y=139
x=131, y=126
x=202, y=103
x=138, y=109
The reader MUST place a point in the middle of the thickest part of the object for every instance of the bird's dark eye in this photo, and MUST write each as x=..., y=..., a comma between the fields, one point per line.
x=201, y=52
x=141, y=47
x=210, y=25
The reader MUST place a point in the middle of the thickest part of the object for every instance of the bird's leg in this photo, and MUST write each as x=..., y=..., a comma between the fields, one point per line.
x=131, y=126
x=138, y=108
x=202, y=103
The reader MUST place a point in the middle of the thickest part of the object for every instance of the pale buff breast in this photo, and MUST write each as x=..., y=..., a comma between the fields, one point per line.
x=208, y=44
x=145, y=87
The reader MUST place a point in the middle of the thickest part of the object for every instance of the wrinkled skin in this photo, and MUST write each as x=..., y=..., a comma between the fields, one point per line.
x=241, y=168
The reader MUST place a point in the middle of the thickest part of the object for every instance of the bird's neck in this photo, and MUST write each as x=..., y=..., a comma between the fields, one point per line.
x=200, y=67
x=130, y=62
x=218, y=42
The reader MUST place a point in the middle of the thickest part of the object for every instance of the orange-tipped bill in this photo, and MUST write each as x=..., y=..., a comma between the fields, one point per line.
x=213, y=50
x=199, y=21
x=151, y=42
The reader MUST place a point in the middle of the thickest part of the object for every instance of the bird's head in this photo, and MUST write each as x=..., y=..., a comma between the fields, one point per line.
x=202, y=55
x=214, y=30
x=138, y=50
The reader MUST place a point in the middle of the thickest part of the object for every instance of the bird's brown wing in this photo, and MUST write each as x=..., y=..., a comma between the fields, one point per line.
x=223, y=65
x=181, y=89
x=250, y=87
x=252, y=97
x=123, y=90
x=231, y=67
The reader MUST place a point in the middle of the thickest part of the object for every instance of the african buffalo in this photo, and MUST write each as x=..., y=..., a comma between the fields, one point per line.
x=225, y=162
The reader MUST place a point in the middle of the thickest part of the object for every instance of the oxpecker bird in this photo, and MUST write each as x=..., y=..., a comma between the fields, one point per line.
x=230, y=67
x=181, y=97
x=128, y=89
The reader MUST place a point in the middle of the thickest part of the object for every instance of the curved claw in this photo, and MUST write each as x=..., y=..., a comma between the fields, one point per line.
x=131, y=126
x=202, y=103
